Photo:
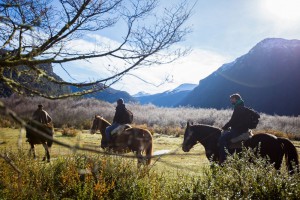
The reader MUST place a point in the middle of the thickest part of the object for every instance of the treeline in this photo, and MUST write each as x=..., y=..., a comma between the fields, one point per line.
x=79, y=113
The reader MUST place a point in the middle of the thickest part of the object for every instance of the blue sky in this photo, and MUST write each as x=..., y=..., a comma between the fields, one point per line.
x=223, y=30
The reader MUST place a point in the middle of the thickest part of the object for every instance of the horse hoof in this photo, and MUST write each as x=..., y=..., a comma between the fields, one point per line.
x=44, y=159
x=48, y=161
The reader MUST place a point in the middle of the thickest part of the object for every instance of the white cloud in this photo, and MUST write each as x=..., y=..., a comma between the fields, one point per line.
x=189, y=69
x=283, y=14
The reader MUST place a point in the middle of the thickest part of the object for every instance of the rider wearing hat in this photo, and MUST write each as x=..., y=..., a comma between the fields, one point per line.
x=237, y=123
x=119, y=119
x=41, y=115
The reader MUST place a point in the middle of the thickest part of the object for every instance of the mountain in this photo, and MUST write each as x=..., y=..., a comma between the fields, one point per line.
x=141, y=94
x=110, y=95
x=267, y=77
x=167, y=98
x=29, y=80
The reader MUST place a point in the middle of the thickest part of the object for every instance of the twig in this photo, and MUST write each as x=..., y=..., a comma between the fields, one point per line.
x=10, y=162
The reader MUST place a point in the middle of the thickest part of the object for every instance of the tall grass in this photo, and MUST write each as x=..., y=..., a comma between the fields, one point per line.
x=79, y=113
x=87, y=176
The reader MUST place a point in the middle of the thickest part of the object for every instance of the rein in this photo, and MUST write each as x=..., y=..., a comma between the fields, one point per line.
x=206, y=137
x=210, y=135
x=160, y=156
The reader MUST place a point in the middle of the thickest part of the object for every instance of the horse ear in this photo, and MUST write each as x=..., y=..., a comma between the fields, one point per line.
x=188, y=124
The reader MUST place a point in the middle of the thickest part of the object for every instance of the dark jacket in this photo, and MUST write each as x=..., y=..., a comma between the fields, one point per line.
x=41, y=116
x=120, y=115
x=238, y=121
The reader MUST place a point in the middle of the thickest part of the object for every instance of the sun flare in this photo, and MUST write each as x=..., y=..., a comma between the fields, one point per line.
x=283, y=10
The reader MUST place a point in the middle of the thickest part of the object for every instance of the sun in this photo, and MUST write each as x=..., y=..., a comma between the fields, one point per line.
x=282, y=10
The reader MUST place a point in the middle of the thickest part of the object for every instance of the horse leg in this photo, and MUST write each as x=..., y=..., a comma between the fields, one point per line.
x=139, y=157
x=47, y=154
x=32, y=151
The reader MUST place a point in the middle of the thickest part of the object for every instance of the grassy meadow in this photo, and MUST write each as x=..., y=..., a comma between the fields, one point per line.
x=14, y=139
x=175, y=175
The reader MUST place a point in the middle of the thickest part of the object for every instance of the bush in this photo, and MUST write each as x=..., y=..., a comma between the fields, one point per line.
x=77, y=177
x=241, y=179
x=69, y=132
x=79, y=113
x=89, y=176
x=6, y=122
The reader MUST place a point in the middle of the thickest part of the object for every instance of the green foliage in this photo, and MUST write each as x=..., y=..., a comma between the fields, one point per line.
x=89, y=176
x=248, y=177
x=76, y=177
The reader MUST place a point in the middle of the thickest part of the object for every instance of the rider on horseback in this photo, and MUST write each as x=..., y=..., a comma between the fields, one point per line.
x=41, y=115
x=238, y=124
x=121, y=117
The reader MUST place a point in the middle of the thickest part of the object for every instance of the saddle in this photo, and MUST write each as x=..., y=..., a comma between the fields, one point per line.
x=120, y=129
x=116, y=132
x=236, y=143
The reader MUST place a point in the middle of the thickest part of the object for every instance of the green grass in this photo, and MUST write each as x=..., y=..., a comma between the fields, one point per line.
x=82, y=175
x=185, y=162
x=179, y=161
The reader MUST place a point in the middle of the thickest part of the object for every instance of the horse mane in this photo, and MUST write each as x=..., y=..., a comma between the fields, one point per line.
x=102, y=118
x=205, y=126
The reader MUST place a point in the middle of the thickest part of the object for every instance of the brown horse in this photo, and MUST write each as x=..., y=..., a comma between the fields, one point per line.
x=137, y=140
x=35, y=138
x=270, y=146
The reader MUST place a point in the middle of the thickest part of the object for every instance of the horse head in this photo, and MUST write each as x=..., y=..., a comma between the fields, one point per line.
x=189, y=140
x=96, y=124
x=99, y=123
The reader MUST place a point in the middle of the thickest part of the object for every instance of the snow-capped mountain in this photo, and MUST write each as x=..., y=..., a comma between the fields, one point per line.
x=267, y=77
x=168, y=98
x=141, y=94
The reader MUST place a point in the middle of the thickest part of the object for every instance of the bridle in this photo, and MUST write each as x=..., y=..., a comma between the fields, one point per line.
x=205, y=138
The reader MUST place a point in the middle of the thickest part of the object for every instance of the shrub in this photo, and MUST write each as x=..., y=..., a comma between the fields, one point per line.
x=90, y=176
x=6, y=122
x=80, y=176
x=241, y=179
x=79, y=113
x=69, y=132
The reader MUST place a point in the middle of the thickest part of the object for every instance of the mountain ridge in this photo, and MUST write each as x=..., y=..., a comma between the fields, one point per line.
x=168, y=98
x=265, y=77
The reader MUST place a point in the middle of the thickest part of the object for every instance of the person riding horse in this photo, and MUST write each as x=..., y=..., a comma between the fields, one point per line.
x=41, y=115
x=120, y=118
x=41, y=121
x=238, y=124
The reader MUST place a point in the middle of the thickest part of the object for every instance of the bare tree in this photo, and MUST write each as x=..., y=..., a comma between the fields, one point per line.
x=37, y=32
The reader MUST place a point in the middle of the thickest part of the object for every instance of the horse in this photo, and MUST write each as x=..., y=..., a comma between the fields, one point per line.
x=270, y=146
x=35, y=138
x=127, y=139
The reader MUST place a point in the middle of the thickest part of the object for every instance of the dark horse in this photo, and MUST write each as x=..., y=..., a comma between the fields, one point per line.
x=127, y=139
x=273, y=147
x=35, y=138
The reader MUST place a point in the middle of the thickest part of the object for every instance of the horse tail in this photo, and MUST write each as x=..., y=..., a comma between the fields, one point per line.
x=149, y=150
x=50, y=142
x=291, y=155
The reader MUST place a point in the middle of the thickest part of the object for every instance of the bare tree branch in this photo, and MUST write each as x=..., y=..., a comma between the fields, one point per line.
x=37, y=32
